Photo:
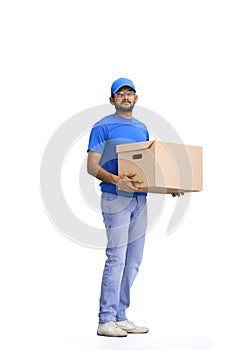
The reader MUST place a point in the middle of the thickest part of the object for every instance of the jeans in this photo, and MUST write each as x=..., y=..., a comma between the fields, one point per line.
x=125, y=220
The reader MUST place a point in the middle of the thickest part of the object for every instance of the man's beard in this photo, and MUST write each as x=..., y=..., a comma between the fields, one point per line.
x=122, y=108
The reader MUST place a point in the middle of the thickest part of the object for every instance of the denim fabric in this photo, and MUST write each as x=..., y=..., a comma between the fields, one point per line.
x=125, y=220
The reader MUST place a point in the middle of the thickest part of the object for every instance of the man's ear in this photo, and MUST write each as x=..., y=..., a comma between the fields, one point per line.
x=111, y=100
x=135, y=98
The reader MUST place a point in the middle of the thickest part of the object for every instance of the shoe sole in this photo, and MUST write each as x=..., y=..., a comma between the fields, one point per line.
x=134, y=332
x=111, y=335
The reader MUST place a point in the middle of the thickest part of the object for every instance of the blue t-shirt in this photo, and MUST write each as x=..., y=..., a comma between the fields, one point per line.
x=108, y=132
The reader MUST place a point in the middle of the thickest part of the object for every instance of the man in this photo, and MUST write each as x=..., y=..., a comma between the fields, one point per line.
x=124, y=210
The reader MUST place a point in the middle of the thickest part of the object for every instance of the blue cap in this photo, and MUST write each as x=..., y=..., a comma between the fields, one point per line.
x=119, y=83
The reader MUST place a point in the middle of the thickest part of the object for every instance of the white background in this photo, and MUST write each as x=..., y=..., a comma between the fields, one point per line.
x=59, y=58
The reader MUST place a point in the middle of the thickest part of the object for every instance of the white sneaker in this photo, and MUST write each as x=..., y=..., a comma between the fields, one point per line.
x=110, y=329
x=130, y=327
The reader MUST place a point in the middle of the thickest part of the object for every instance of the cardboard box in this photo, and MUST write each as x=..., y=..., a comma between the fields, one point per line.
x=163, y=167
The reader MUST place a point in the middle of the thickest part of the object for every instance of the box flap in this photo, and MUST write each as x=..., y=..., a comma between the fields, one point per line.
x=128, y=147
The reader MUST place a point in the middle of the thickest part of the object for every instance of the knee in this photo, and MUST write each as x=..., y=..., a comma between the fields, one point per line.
x=116, y=257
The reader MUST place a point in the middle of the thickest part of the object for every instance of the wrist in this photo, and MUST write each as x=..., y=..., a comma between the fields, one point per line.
x=115, y=179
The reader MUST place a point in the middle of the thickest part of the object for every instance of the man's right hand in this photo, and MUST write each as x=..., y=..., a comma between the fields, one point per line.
x=126, y=183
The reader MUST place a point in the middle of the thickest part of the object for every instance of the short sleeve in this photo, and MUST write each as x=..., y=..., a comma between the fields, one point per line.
x=97, y=139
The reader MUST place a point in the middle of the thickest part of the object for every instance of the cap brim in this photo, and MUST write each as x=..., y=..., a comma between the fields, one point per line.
x=121, y=86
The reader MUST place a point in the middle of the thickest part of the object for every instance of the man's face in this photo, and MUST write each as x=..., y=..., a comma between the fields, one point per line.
x=124, y=100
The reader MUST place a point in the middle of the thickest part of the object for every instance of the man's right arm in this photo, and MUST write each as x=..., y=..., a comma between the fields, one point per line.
x=125, y=181
x=94, y=168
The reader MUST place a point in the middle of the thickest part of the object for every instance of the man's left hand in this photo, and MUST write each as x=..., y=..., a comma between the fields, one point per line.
x=177, y=194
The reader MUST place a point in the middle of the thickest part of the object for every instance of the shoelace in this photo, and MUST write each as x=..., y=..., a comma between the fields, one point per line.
x=129, y=323
x=112, y=325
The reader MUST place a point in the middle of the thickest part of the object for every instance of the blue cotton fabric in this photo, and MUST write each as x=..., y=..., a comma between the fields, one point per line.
x=109, y=132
